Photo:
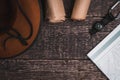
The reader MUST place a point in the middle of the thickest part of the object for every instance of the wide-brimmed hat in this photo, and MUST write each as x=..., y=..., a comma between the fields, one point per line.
x=19, y=25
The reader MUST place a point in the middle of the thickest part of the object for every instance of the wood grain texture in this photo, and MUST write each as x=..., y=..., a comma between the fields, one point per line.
x=59, y=53
x=49, y=69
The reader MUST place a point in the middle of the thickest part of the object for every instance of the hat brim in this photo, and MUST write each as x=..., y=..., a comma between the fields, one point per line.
x=33, y=11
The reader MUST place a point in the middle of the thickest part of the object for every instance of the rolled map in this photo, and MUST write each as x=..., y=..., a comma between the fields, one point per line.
x=80, y=9
x=55, y=11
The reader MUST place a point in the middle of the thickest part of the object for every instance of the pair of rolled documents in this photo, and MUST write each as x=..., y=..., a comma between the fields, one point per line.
x=56, y=12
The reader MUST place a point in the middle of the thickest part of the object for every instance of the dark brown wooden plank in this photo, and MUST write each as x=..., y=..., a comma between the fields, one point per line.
x=74, y=46
x=67, y=40
x=3, y=75
x=50, y=69
x=53, y=76
x=95, y=8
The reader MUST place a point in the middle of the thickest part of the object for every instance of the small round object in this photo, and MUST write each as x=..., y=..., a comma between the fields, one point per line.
x=98, y=26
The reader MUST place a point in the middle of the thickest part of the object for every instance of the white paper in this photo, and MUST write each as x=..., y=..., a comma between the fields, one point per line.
x=106, y=55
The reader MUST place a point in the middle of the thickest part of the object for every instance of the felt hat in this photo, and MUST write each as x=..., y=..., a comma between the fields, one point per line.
x=19, y=25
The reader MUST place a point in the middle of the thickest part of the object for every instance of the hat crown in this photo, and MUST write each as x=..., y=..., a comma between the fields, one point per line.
x=7, y=14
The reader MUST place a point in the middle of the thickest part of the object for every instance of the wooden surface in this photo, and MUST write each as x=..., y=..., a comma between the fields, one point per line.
x=60, y=51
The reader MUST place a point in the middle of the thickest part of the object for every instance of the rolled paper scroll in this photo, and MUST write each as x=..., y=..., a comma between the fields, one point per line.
x=80, y=9
x=55, y=11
